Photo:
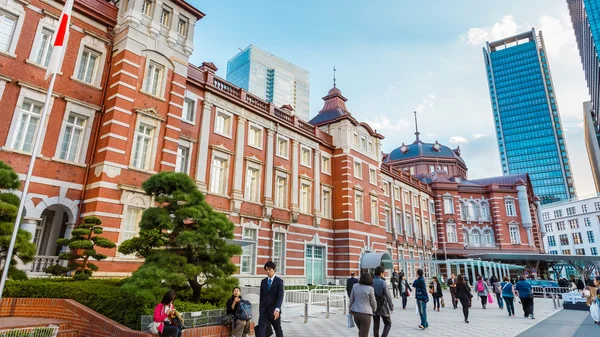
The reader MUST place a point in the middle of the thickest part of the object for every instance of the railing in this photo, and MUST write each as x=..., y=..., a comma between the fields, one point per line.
x=41, y=262
x=546, y=292
x=223, y=86
x=257, y=102
x=284, y=116
x=49, y=331
x=306, y=126
x=294, y=298
x=192, y=319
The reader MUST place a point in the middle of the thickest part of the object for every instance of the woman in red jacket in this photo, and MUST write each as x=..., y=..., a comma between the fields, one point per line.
x=162, y=312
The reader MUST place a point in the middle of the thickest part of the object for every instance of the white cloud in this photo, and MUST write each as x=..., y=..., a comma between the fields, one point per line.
x=479, y=135
x=381, y=123
x=480, y=35
x=430, y=135
x=457, y=140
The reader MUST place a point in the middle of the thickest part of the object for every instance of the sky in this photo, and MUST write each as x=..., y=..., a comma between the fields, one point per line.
x=395, y=57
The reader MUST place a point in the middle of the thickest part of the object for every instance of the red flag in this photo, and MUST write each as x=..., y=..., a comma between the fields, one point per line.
x=60, y=39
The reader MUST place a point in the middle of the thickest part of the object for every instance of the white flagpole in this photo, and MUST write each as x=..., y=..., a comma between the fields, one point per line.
x=36, y=145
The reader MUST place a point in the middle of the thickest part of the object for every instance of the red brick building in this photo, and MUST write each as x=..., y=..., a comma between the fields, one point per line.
x=313, y=196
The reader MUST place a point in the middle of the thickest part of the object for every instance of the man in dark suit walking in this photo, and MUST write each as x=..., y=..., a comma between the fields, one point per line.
x=350, y=283
x=271, y=300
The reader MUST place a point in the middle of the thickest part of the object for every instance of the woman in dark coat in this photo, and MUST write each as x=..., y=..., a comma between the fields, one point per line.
x=463, y=292
x=435, y=289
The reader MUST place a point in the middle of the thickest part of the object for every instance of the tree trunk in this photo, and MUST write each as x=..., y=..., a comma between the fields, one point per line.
x=196, y=290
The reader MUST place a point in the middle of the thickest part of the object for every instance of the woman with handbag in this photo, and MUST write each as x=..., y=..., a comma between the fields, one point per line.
x=526, y=296
x=363, y=304
x=463, y=292
x=508, y=296
x=482, y=291
x=404, y=290
x=435, y=289
x=162, y=313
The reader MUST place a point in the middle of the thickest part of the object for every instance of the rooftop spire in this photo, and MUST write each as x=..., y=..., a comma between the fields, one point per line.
x=334, y=76
x=417, y=133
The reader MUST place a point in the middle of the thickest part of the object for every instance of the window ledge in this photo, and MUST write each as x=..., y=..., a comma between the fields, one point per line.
x=307, y=166
x=252, y=202
x=75, y=79
x=218, y=195
x=10, y=149
x=304, y=213
x=255, y=147
x=39, y=66
x=222, y=134
x=11, y=55
x=281, y=208
x=58, y=160
x=133, y=168
x=153, y=96
x=188, y=122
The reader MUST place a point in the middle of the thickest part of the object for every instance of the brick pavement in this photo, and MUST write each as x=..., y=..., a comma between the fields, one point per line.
x=447, y=322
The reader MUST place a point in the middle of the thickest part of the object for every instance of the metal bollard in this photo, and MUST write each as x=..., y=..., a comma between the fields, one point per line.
x=306, y=311
x=544, y=292
x=554, y=300
x=327, y=306
x=345, y=305
x=558, y=298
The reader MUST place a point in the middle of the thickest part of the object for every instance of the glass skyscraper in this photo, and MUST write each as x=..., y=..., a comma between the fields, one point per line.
x=585, y=16
x=271, y=78
x=528, y=127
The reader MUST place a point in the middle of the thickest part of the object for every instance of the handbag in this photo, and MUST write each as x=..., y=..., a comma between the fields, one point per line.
x=490, y=298
x=227, y=320
x=153, y=328
x=350, y=321
x=443, y=303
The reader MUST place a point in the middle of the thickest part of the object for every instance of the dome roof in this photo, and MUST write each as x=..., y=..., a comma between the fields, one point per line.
x=333, y=109
x=420, y=149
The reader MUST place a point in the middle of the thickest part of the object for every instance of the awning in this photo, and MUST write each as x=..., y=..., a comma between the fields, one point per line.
x=374, y=260
x=240, y=243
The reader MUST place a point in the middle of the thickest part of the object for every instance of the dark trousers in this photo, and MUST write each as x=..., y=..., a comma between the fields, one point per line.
x=387, y=326
x=483, y=301
x=363, y=323
x=395, y=289
x=499, y=299
x=527, y=306
x=466, y=303
x=266, y=319
x=171, y=331
x=404, y=300
x=510, y=305
x=436, y=302
x=454, y=299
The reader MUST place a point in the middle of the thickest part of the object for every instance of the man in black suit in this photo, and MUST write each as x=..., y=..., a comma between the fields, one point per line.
x=451, y=282
x=350, y=283
x=271, y=300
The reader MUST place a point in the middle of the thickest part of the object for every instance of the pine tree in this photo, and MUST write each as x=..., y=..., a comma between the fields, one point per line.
x=183, y=240
x=82, y=245
x=24, y=249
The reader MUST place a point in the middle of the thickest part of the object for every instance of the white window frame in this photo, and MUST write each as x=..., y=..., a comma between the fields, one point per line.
x=371, y=146
x=386, y=218
x=415, y=201
x=28, y=94
x=190, y=98
x=95, y=45
x=325, y=164
x=255, y=135
x=355, y=139
x=509, y=204
x=49, y=25
x=397, y=193
x=152, y=5
x=386, y=188
x=374, y=207
x=451, y=236
x=303, y=149
x=155, y=73
x=279, y=257
x=129, y=234
x=304, y=201
x=359, y=211
x=358, y=174
x=253, y=237
x=514, y=239
x=363, y=143
x=186, y=144
x=223, y=181
x=281, y=195
x=17, y=11
x=408, y=225
x=85, y=111
x=169, y=11
x=398, y=220
x=131, y=199
x=475, y=238
x=278, y=152
x=372, y=175
x=252, y=192
x=448, y=205
x=326, y=202
x=186, y=25
x=484, y=211
x=226, y=127
x=487, y=233
x=151, y=121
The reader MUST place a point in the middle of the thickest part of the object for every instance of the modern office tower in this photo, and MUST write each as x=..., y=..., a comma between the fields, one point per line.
x=528, y=127
x=271, y=78
x=585, y=16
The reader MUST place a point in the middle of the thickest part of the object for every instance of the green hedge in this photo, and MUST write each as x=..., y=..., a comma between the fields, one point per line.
x=102, y=295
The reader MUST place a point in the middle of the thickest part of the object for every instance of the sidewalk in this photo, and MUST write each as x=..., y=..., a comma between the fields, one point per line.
x=566, y=323
x=447, y=322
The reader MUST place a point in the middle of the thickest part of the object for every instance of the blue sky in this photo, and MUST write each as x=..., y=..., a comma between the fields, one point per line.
x=394, y=57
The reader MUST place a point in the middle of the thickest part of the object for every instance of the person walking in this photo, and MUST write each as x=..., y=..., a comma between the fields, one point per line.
x=395, y=281
x=435, y=289
x=497, y=289
x=526, y=295
x=271, y=300
x=363, y=304
x=422, y=298
x=463, y=292
x=350, y=283
x=451, y=282
x=404, y=290
x=508, y=294
x=385, y=304
x=482, y=291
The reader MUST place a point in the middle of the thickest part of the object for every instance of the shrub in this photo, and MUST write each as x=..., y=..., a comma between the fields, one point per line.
x=101, y=295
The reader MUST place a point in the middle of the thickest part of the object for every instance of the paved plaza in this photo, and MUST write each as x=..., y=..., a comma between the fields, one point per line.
x=447, y=322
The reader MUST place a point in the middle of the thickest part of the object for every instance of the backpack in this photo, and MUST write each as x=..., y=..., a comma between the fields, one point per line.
x=244, y=312
x=480, y=287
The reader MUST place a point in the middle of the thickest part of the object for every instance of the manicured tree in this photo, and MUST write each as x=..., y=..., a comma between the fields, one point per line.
x=82, y=244
x=183, y=240
x=9, y=205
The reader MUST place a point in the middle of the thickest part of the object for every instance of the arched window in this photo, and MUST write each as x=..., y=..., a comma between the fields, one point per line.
x=465, y=237
x=464, y=212
x=485, y=211
x=488, y=238
x=475, y=239
x=473, y=210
